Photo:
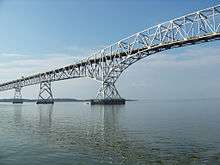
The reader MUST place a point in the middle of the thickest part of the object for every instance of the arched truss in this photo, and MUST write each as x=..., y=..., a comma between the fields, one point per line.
x=194, y=28
x=107, y=64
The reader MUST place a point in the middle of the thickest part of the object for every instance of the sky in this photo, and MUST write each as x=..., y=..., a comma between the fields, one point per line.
x=39, y=35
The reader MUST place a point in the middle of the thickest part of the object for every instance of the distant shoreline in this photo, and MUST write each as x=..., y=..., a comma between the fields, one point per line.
x=146, y=99
x=57, y=100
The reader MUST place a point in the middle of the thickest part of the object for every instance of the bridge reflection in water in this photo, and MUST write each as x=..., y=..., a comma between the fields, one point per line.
x=45, y=116
x=73, y=132
x=17, y=113
x=97, y=134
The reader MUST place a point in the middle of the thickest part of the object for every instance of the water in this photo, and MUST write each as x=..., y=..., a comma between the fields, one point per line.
x=142, y=132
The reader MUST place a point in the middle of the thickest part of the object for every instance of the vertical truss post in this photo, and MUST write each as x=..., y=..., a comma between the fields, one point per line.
x=18, y=95
x=108, y=93
x=45, y=94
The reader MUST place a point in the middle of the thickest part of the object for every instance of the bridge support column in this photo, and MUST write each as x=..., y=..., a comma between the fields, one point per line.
x=108, y=95
x=17, y=95
x=45, y=94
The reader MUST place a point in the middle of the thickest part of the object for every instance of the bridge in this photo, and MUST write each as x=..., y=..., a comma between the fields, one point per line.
x=106, y=65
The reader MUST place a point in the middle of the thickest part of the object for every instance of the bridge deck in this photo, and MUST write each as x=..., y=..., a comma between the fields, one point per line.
x=26, y=81
x=194, y=28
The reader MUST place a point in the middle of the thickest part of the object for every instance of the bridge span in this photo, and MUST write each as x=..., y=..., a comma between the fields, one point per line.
x=109, y=63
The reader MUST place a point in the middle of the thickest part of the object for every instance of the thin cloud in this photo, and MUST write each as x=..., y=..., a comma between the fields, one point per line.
x=25, y=64
x=198, y=56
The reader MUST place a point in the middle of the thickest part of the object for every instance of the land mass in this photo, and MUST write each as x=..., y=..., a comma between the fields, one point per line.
x=56, y=100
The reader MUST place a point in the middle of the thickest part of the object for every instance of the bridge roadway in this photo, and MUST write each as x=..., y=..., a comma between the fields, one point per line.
x=107, y=65
x=76, y=70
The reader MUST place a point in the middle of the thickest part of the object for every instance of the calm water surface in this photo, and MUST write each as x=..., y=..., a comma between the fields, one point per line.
x=142, y=132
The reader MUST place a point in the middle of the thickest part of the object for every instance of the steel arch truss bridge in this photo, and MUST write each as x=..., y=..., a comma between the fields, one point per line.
x=108, y=64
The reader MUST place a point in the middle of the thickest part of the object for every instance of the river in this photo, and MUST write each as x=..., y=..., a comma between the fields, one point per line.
x=140, y=132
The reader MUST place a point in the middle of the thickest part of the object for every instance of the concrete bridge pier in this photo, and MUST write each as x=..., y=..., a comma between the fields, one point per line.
x=45, y=94
x=108, y=101
x=17, y=95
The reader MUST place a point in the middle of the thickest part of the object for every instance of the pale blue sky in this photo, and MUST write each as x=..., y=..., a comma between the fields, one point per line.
x=39, y=26
x=37, y=35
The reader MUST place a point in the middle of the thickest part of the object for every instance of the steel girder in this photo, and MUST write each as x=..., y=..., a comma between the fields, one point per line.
x=45, y=94
x=17, y=94
x=107, y=64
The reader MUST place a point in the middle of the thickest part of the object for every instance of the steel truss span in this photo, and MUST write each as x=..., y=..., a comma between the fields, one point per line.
x=107, y=64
